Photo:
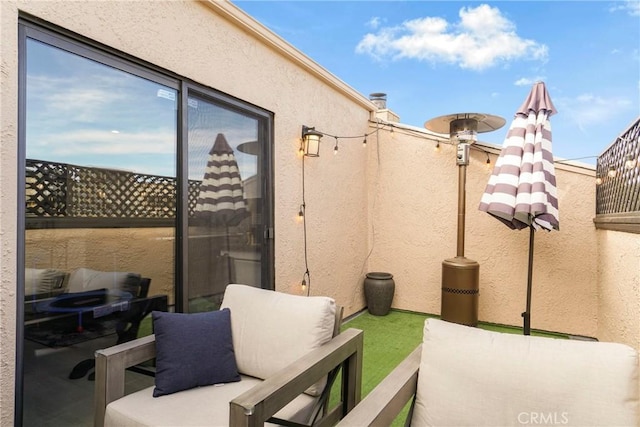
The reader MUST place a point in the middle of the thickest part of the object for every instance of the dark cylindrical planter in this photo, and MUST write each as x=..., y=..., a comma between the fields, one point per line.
x=379, y=288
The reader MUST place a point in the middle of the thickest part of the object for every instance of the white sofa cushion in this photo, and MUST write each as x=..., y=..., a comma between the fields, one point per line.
x=472, y=377
x=86, y=279
x=271, y=330
x=201, y=406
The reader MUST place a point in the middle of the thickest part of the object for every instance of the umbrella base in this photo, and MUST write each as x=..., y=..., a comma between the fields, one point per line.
x=460, y=278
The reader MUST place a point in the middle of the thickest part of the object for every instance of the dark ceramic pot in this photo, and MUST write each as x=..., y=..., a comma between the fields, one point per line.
x=379, y=288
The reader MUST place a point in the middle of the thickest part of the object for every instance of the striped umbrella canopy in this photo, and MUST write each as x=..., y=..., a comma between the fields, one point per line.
x=522, y=190
x=221, y=198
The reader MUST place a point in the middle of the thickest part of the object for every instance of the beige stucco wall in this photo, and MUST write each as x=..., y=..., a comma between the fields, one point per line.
x=619, y=287
x=414, y=203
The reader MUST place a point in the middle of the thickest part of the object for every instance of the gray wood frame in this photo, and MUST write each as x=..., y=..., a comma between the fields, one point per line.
x=380, y=407
x=257, y=405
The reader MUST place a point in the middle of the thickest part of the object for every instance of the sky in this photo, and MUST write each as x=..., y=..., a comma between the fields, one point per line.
x=434, y=58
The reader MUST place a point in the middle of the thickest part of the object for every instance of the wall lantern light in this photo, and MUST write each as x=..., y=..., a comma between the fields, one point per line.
x=311, y=141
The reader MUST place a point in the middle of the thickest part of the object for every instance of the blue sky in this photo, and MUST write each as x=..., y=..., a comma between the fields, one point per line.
x=433, y=58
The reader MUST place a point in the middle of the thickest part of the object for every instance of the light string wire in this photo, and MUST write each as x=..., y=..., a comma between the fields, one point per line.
x=411, y=132
x=306, y=277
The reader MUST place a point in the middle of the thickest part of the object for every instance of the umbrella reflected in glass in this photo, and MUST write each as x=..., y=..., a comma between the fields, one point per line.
x=221, y=204
x=522, y=190
x=221, y=200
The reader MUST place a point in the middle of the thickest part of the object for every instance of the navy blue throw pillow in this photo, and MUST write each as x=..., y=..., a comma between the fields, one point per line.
x=193, y=350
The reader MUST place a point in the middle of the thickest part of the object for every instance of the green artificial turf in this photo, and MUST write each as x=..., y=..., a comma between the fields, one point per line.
x=389, y=339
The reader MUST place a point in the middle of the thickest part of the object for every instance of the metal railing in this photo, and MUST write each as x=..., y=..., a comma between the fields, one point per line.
x=618, y=182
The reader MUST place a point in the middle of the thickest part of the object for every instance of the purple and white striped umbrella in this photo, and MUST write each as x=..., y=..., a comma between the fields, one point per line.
x=221, y=198
x=522, y=189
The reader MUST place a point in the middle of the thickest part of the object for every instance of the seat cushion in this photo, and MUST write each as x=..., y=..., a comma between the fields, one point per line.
x=202, y=406
x=473, y=377
x=272, y=329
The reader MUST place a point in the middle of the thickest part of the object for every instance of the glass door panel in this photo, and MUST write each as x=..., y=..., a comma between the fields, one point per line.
x=100, y=222
x=225, y=223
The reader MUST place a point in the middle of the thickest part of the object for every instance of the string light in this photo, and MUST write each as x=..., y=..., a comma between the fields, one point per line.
x=612, y=172
x=598, y=180
x=437, y=148
x=335, y=149
x=364, y=141
x=630, y=162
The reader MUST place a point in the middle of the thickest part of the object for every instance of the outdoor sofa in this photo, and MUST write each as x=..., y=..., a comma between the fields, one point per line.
x=284, y=347
x=465, y=376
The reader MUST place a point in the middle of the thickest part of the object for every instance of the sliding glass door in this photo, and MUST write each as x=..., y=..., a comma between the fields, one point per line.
x=225, y=233
x=142, y=192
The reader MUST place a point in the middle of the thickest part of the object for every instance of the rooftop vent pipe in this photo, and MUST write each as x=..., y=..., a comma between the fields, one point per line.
x=379, y=99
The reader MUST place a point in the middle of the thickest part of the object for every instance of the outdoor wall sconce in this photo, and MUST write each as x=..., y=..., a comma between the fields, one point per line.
x=311, y=141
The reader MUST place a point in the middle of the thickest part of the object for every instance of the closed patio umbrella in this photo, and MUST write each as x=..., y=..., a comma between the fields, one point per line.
x=221, y=197
x=521, y=192
x=220, y=204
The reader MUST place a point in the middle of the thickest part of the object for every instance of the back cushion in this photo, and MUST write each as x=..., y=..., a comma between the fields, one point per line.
x=472, y=377
x=41, y=280
x=85, y=279
x=271, y=329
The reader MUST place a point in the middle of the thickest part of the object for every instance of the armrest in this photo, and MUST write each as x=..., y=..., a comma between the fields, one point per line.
x=383, y=404
x=257, y=405
x=111, y=364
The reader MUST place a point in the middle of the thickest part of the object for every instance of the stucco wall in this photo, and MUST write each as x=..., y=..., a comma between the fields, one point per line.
x=619, y=287
x=414, y=202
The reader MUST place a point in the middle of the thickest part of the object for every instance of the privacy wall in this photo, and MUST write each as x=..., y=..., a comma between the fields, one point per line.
x=413, y=200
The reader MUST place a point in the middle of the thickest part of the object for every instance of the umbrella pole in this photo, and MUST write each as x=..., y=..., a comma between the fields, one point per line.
x=527, y=314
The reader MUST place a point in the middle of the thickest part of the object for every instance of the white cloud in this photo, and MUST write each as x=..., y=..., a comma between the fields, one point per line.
x=588, y=110
x=527, y=81
x=632, y=7
x=374, y=22
x=481, y=39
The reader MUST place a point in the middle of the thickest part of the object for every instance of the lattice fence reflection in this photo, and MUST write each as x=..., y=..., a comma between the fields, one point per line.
x=63, y=190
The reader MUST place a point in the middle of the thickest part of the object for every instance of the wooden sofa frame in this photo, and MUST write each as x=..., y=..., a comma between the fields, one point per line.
x=257, y=405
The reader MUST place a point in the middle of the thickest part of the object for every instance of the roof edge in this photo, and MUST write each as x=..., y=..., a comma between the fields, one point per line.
x=251, y=26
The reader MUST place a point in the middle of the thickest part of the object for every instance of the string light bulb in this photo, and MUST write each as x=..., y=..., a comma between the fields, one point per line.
x=598, y=180
x=335, y=149
x=437, y=147
x=630, y=162
x=304, y=285
x=612, y=172
x=364, y=141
